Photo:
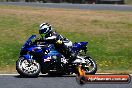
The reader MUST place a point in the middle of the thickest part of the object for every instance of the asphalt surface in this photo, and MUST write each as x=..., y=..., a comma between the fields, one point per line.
x=73, y=6
x=15, y=81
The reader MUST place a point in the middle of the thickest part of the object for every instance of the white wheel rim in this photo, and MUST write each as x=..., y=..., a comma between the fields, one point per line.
x=28, y=68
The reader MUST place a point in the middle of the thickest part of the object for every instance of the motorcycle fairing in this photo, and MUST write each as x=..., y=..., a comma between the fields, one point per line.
x=79, y=45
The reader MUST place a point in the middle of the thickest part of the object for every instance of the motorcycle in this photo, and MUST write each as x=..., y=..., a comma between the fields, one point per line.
x=45, y=58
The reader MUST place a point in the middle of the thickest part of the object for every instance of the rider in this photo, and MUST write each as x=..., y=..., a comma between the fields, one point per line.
x=47, y=34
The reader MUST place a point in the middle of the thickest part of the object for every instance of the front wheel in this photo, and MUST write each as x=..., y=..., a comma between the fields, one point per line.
x=27, y=68
x=90, y=66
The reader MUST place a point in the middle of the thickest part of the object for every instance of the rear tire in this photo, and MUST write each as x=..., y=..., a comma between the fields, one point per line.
x=22, y=65
x=92, y=68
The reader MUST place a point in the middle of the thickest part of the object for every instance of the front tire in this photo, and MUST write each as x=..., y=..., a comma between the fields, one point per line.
x=26, y=69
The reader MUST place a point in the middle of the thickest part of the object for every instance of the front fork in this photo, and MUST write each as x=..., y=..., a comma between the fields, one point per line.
x=29, y=58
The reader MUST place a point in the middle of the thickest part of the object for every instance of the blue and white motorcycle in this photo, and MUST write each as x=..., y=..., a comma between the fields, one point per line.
x=45, y=58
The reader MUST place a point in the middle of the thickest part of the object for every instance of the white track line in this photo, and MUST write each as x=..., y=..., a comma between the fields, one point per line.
x=9, y=74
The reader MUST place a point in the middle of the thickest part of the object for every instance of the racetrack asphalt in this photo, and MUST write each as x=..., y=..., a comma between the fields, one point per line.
x=43, y=81
x=73, y=6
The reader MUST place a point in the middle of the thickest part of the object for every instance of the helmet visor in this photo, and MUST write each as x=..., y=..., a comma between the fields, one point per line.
x=42, y=31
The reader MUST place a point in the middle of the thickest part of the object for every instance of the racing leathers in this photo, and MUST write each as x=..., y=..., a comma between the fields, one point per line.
x=62, y=45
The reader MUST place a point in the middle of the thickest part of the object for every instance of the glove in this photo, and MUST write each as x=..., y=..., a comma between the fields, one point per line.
x=59, y=42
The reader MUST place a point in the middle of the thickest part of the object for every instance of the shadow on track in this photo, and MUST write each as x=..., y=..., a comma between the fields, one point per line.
x=19, y=76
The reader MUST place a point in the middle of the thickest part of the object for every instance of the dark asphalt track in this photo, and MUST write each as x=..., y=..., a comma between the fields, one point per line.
x=14, y=81
x=73, y=6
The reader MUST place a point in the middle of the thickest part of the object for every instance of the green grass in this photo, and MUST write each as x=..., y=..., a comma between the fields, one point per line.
x=128, y=1
x=109, y=34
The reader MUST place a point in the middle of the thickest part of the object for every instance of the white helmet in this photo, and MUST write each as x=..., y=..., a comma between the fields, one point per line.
x=45, y=28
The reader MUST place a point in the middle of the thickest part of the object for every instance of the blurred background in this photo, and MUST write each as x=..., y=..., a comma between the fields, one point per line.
x=75, y=1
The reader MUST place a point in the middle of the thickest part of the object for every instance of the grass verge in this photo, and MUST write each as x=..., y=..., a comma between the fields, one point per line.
x=128, y=2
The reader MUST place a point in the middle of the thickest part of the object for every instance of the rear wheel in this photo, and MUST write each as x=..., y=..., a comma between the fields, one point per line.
x=27, y=68
x=90, y=66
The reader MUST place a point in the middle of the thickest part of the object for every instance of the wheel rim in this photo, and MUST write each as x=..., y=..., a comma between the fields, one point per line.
x=90, y=65
x=28, y=68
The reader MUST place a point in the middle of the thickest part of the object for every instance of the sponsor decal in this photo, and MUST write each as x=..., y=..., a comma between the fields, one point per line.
x=83, y=78
x=103, y=78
